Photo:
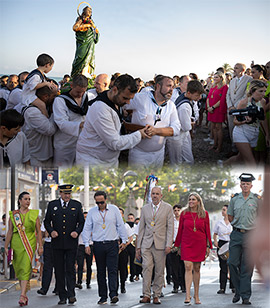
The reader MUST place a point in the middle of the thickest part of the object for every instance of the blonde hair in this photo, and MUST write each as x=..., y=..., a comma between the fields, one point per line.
x=254, y=85
x=200, y=208
x=223, y=79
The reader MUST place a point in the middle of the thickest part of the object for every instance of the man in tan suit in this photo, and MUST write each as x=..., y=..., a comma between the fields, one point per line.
x=154, y=242
x=236, y=92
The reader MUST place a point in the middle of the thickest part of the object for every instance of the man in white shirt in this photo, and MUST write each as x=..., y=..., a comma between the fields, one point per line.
x=155, y=109
x=236, y=92
x=101, y=84
x=180, y=147
x=105, y=224
x=5, y=92
x=39, y=129
x=100, y=141
x=15, y=96
x=181, y=88
x=69, y=110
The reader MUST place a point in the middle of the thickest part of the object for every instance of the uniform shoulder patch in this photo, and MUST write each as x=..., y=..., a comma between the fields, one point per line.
x=234, y=195
x=258, y=196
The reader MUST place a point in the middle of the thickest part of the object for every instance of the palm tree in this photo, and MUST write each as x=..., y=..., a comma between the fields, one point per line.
x=227, y=68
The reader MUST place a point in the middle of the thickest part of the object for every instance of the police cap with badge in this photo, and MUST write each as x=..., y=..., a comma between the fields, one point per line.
x=66, y=188
x=246, y=177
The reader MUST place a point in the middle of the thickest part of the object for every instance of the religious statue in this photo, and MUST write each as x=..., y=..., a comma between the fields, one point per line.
x=87, y=36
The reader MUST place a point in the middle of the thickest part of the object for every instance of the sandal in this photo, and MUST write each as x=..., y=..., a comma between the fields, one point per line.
x=23, y=301
x=198, y=302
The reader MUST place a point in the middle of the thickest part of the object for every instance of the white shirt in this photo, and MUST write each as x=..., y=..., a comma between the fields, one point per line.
x=144, y=112
x=29, y=91
x=47, y=239
x=222, y=230
x=17, y=150
x=39, y=131
x=100, y=141
x=15, y=98
x=92, y=93
x=176, y=226
x=4, y=93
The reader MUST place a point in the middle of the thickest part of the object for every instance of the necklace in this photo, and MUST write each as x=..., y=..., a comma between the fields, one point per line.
x=194, y=220
x=103, y=218
x=213, y=91
x=23, y=216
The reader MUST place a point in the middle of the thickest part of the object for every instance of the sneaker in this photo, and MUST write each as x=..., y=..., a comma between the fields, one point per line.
x=212, y=142
x=102, y=301
x=207, y=139
x=114, y=300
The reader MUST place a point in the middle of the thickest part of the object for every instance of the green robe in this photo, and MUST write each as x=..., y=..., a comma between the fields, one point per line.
x=21, y=263
x=85, y=51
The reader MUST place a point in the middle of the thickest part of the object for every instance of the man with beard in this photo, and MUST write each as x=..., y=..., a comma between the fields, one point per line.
x=39, y=129
x=158, y=112
x=100, y=141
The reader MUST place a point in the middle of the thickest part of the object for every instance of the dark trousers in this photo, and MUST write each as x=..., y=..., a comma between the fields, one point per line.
x=178, y=271
x=64, y=263
x=122, y=266
x=131, y=254
x=81, y=255
x=106, y=254
x=168, y=269
x=223, y=273
x=240, y=272
x=47, y=267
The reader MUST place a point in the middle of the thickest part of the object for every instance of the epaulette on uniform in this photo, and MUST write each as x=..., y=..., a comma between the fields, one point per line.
x=258, y=196
x=234, y=195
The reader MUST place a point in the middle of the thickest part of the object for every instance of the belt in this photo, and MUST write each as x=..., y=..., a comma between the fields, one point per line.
x=240, y=230
x=105, y=242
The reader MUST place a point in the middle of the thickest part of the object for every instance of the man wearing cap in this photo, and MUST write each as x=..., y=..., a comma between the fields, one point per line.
x=106, y=225
x=64, y=222
x=242, y=213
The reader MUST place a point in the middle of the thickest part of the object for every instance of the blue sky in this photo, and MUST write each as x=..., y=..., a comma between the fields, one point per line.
x=139, y=37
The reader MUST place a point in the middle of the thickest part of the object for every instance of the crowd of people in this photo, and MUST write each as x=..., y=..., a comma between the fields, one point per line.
x=45, y=123
x=178, y=238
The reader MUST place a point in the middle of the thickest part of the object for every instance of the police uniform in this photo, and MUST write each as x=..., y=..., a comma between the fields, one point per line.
x=64, y=219
x=244, y=212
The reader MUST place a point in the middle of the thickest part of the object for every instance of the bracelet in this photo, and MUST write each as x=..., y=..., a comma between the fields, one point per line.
x=213, y=107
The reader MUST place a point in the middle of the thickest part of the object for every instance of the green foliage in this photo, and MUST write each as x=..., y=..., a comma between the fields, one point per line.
x=205, y=180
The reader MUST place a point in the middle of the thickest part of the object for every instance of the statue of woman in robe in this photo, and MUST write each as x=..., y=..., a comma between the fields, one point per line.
x=87, y=36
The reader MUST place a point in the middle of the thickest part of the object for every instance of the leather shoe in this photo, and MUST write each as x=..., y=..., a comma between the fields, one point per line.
x=145, y=300
x=246, y=301
x=88, y=286
x=78, y=285
x=236, y=299
x=72, y=300
x=175, y=290
x=156, y=301
x=62, y=302
x=41, y=292
x=114, y=300
x=123, y=290
x=221, y=291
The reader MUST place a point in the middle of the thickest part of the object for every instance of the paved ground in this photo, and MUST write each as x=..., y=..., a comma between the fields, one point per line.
x=88, y=298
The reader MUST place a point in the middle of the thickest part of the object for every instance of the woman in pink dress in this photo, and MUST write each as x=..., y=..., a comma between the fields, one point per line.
x=217, y=109
x=194, y=240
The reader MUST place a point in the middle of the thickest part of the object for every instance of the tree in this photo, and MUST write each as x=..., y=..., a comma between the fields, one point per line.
x=208, y=181
x=227, y=68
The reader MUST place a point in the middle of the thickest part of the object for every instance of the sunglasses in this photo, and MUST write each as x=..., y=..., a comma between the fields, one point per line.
x=100, y=202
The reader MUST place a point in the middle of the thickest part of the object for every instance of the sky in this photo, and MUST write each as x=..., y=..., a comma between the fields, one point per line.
x=139, y=37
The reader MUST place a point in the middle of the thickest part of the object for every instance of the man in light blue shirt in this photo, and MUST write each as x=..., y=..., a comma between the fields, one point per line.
x=106, y=225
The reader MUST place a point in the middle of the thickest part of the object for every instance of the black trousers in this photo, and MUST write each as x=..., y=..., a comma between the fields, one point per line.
x=122, y=267
x=47, y=267
x=168, y=269
x=178, y=271
x=64, y=263
x=81, y=255
x=223, y=273
x=106, y=254
x=131, y=254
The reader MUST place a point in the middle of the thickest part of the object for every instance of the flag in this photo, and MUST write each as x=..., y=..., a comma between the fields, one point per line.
x=123, y=186
x=260, y=177
x=215, y=184
x=171, y=187
x=223, y=191
x=224, y=183
x=185, y=189
x=95, y=187
x=141, y=184
x=112, y=185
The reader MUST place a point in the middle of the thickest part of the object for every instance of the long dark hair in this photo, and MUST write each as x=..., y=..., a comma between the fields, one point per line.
x=21, y=196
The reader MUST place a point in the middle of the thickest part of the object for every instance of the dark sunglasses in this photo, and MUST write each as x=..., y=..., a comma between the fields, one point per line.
x=100, y=202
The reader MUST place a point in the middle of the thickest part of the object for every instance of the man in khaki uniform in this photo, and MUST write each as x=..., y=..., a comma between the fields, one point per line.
x=242, y=213
x=154, y=242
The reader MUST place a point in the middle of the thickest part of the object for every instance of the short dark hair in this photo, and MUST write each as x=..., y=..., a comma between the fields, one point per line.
x=221, y=69
x=43, y=91
x=126, y=81
x=21, y=196
x=193, y=76
x=181, y=79
x=85, y=212
x=66, y=76
x=80, y=81
x=44, y=59
x=4, y=216
x=11, y=118
x=194, y=86
x=160, y=78
x=178, y=206
x=100, y=193
x=130, y=214
x=226, y=205
x=121, y=209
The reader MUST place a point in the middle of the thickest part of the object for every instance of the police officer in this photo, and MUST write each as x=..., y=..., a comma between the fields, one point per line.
x=242, y=213
x=64, y=222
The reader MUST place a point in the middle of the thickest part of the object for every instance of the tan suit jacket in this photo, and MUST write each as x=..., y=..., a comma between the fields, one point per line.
x=234, y=98
x=161, y=234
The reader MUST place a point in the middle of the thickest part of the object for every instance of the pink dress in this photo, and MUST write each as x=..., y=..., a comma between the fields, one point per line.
x=193, y=244
x=215, y=94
